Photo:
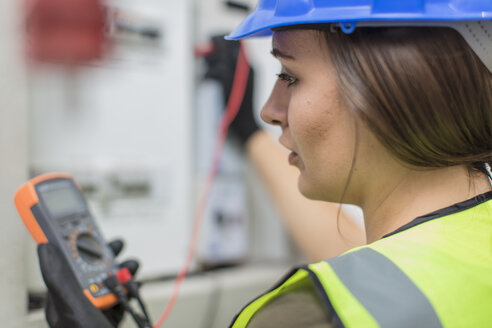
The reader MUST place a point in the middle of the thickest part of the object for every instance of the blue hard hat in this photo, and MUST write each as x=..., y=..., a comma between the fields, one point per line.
x=275, y=13
x=471, y=18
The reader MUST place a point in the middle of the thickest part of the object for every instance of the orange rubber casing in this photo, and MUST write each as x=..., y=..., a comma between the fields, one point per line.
x=25, y=198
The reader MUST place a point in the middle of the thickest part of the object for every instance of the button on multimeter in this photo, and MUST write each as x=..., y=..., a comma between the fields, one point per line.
x=94, y=288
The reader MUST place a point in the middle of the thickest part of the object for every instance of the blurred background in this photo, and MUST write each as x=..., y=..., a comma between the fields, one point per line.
x=132, y=118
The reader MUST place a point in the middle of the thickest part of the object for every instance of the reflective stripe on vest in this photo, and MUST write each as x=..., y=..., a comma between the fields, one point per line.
x=437, y=273
x=381, y=288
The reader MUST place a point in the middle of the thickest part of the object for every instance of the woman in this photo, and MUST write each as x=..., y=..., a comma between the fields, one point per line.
x=398, y=120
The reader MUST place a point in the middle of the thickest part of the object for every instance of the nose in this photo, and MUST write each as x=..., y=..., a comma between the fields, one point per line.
x=275, y=109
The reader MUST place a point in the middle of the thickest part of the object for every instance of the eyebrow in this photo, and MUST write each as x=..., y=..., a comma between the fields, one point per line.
x=279, y=54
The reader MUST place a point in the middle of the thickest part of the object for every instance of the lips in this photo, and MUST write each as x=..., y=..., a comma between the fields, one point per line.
x=293, y=158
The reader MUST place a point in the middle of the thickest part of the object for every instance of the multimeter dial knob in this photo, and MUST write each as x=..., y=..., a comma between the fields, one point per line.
x=89, y=248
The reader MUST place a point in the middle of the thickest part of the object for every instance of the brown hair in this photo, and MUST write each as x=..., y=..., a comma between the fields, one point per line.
x=422, y=91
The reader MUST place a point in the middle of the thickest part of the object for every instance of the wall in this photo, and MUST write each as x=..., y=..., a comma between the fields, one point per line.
x=13, y=164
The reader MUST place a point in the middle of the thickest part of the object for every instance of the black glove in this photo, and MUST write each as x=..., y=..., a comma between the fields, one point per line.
x=221, y=66
x=66, y=304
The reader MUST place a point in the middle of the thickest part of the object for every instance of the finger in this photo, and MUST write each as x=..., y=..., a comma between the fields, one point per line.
x=50, y=311
x=131, y=265
x=115, y=314
x=116, y=246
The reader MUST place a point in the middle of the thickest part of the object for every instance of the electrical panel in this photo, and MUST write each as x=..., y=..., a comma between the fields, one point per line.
x=122, y=126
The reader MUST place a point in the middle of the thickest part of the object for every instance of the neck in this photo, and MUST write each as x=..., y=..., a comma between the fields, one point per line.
x=414, y=193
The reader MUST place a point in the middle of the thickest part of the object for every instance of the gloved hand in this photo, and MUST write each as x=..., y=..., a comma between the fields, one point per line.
x=66, y=305
x=221, y=66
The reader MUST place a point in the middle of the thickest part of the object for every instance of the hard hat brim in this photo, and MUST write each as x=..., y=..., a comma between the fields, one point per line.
x=261, y=21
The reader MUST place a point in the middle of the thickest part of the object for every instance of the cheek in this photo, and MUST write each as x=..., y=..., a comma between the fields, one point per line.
x=325, y=140
x=315, y=125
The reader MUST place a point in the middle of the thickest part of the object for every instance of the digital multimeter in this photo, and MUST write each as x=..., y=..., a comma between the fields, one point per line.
x=55, y=211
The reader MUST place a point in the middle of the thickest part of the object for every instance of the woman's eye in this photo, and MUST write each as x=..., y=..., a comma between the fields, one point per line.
x=287, y=78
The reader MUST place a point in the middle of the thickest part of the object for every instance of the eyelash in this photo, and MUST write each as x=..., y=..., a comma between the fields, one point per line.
x=287, y=78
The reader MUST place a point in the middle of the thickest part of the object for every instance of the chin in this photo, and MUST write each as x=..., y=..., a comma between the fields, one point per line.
x=317, y=192
x=308, y=190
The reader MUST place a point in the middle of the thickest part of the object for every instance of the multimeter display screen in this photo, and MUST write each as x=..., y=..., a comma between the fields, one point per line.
x=63, y=201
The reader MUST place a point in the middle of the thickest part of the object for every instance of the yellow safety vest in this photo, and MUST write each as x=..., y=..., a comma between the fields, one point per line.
x=434, y=272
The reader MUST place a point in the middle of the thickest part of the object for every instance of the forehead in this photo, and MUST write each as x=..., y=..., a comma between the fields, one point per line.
x=297, y=43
